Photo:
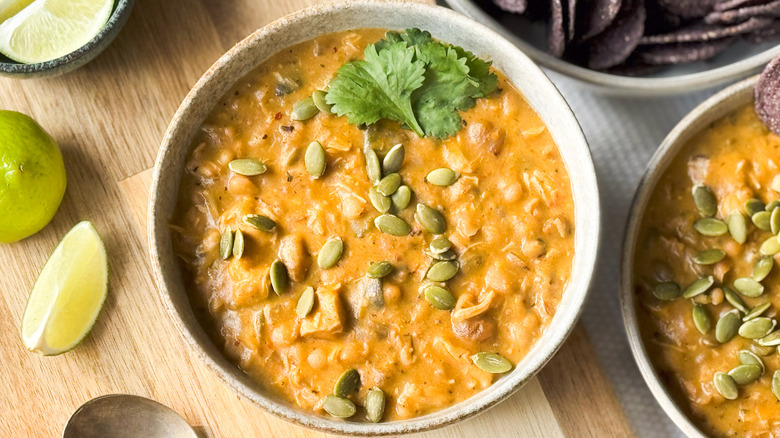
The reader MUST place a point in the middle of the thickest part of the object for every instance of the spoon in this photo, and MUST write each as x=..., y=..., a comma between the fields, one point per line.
x=126, y=416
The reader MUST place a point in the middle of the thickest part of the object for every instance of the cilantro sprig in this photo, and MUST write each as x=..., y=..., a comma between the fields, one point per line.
x=413, y=79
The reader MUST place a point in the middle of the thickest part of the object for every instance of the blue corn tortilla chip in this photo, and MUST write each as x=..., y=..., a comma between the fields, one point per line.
x=707, y=32
x=688, y=8
x=615, y=44
x=556, y=34
x=516, y=6
x=678, y=53
x=571, y=20
x=725, y=5
x=768, y=10
x=597, y=15
x=765, y=35
x=767, y=96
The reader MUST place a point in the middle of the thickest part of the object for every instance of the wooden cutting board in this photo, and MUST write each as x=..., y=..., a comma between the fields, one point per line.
x=109, y=118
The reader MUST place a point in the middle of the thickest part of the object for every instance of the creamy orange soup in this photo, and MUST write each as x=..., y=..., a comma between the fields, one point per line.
x=509, y=218
x=737, y=159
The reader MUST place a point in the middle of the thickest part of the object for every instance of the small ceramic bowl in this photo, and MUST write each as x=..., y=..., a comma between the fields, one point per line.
x=739, y=61
x=76, y=59
x=700, y=118
x=448, y=26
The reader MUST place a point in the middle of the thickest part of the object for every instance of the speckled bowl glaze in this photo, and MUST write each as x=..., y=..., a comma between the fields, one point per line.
x=739, y=61
x=700, y=118
x=76, y=59
x=446, y=25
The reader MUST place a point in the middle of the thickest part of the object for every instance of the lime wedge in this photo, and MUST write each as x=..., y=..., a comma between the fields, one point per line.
x=49, y=29
x=67, y=297
x=9, y=8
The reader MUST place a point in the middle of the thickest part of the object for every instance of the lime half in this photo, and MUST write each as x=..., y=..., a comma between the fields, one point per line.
x=49, y=29
x=67, y=297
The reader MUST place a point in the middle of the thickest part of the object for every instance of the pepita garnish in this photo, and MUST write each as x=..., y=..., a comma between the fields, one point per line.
x=247, y=167
x=772, y=205
x=710, y=227
x=776, y=384
x=757, y=328
x=304, y=109
x=238, y=244
x=373, y=168
x=440, y=244
x=330, y=253
x=314, y=159
x=727, y=326
x=394, y=159
x=747, y=357
x=305, y=302
x=380, y=202
x=439, y=297
x=443, y=177
x=725, y=385
x=389, y=184
x=380, y=269
x=401, y=197
x=430, y=219
x=757, y=311
x=770, y=247
x=761, y=220
x=318, y=97
x=745, y=374
x=492, y=363
x=760, y=350
x=667, y=291
x=338, y=407
x=774, y=221
x=709, y=256
x=753, y=206
x=734, y=299
x=770, y=340
x=226, y=244
x=260, y=222
x=748, y=287
x=705, y=200
x=442, y=270
x=348, y=382
x=375, y=405
x=446, y=255
x=738, y=227
x=701, y=319
x=699, y=286
x=762, y=268
x=393, y=225
x=280, y=280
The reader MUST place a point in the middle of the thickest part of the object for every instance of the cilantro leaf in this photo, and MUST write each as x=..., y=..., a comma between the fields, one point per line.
x=379, y=87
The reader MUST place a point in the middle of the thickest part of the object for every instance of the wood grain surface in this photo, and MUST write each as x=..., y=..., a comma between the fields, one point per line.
x=109, y=118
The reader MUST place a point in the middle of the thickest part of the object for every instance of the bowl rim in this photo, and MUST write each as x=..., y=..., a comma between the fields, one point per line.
x=587, y=216
x=637, y=86
x=118, y=17
x=712, y=109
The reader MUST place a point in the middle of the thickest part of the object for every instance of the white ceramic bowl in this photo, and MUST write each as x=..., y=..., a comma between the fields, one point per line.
x=737, y=62
x=700, y=118
x=309, y=23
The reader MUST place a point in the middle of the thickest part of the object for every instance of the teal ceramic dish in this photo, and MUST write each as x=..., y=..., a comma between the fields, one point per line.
x=76, y=59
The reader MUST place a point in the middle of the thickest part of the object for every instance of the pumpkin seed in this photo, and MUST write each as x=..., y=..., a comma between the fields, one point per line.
x=727, y=326
x=401, y=198
x=394, y=159
x=757, y=311
x=260, y=222
x=492, y=363
x=439, y=297
x=314, y=159
x=762, y=268
x=753, y=206
x=761, y=220
x=348, y=383
x=330, y=253
x=430, y=219
x=702, y=319
x=776, y=384
x=760, y=350
x=389, y=184
x=320, y=102
x=446, y=255
x=380, y=202
x=442, y=270
x=745, y=374
x=705, y=200
x=734, y=299
x=774, y=221
x=772, y=205
x=770, y=340
x=667, y=291
x=339, y=407
x=747, y=357
x=757, y=328
x=442, y=177
x=375, y=404
x=393, y=225
x=725, y=385
x=710, y=227
x=709, y=256
x=440, y=245
x=279, y=277
x=380, y=269
x=226, y=244
x=305, y=302
x=748, y=287
x=738, y=227
x=248, y=167
x=238, y=244
x=698, y=287
x=373, y=168
x=304, y=109
x=770, y=247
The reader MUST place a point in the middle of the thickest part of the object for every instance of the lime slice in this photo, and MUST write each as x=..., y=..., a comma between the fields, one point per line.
x=68, y=295
x=9, y=8
x=49, y=29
